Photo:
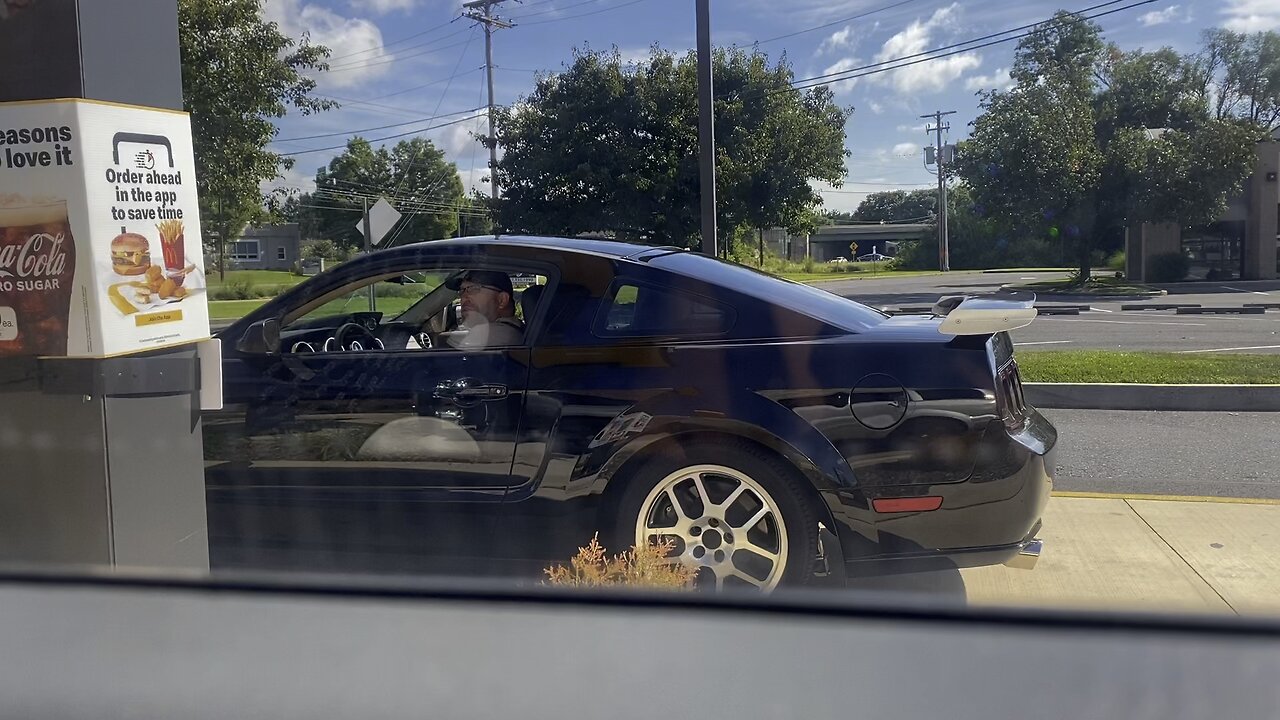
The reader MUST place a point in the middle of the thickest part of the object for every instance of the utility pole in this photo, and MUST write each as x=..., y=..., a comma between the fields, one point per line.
x=944, y=252
x=368, y=248
x=706, y=130
x=489, y=21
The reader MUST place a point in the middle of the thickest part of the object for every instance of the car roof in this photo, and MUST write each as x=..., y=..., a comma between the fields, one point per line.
x=597, y=246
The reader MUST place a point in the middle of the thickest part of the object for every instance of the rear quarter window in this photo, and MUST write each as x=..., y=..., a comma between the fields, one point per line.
x=819, y=304
x=633, y=309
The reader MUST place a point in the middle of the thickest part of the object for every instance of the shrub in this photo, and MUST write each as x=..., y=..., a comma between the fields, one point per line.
x=1169, y=267
x=809, y=264
x=642, y=566
x=1116, y=262
x=237, y=289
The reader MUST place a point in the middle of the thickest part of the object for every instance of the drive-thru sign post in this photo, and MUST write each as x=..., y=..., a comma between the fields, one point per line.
x=104, y=322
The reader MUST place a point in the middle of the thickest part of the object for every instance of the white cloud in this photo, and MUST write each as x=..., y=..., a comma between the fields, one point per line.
x=300, y=178
x=477, y=178
x=839, y=39
x=382, y=7
x=842, y=86
x=875, y=107
x=634, y=56
x=998, y=80
x=355, y=43
x=1159, y=17
x=459, y=143
x=1252, y=15
x=934, y=75
x=904, y=148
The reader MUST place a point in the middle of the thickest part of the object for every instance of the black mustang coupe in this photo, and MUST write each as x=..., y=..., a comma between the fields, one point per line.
x=488, y=405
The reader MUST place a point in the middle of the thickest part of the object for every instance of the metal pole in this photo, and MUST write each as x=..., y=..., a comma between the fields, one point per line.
x=706, y=130
x=368, y=247
x=761, y=230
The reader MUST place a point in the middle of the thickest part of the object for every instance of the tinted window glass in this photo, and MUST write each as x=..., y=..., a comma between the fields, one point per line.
x=644, y=310
x=827, y=307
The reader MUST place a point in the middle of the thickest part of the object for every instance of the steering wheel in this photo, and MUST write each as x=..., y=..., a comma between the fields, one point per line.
x=353, y=337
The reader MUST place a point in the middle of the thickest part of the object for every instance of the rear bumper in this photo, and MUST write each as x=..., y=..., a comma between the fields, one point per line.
x=992, y=521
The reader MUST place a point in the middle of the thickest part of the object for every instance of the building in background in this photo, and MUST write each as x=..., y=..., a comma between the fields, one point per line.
x=266, y=247
x=1240, y=245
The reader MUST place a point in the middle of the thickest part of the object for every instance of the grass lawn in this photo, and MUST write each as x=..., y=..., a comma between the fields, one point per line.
x=1109, y=366
x=236, y=309
x=256, y=277
x=1096, y=286
x=823, y=276
x=1028, y=269
x=233, y=309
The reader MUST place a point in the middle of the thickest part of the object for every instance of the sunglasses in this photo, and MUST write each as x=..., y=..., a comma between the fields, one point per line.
x=471, y=289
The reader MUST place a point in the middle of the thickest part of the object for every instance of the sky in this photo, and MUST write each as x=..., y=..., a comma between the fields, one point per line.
x=404, y=66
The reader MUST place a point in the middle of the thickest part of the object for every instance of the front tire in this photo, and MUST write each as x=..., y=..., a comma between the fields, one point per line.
x=733, y=510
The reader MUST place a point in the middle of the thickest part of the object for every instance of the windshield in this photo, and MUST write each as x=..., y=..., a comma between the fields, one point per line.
x=975, y=302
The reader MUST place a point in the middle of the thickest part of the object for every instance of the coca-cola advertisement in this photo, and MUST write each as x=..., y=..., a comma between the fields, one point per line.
x=100, y=249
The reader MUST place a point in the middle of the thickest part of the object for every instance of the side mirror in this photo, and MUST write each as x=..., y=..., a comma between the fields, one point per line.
x=261, y=338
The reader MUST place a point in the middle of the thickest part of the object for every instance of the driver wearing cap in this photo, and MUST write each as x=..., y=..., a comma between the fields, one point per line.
x=488, y=310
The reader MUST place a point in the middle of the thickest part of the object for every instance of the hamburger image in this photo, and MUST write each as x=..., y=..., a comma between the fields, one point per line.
x=130, y=254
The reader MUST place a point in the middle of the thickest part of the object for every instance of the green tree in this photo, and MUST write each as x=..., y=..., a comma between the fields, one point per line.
x=1244, y=71
x=898, y=206
x=1091, y=140
x=413, y=176
x=238, y=72
x=614, y=148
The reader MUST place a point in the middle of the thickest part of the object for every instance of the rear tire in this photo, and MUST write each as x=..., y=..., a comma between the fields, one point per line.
x=733, y=509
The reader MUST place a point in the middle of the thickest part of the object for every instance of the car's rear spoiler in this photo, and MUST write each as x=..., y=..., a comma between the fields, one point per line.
x=985, y=315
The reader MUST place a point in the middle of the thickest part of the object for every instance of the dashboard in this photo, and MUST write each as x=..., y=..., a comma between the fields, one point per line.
x=354, y=332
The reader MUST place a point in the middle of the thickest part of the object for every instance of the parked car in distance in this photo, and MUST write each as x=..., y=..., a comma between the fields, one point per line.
x=773, y=432
x=838, y=260
x=873, y=257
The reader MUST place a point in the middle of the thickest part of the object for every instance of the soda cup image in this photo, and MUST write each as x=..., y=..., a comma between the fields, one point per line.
x=37, y=269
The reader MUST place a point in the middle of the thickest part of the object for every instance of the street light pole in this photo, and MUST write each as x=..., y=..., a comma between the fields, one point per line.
x=706, y=130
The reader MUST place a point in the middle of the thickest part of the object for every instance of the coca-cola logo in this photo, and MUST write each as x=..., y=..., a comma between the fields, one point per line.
x=40, y=256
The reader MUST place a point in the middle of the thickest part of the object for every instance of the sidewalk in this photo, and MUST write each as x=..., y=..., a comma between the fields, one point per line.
x=1112, y=552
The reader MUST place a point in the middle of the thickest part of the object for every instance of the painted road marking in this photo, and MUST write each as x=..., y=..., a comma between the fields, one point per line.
x=1231, y=349
x=1121, y=322
x=1043, y=342
x=1255, y=292
x=1171, y=498
x=1098, y=309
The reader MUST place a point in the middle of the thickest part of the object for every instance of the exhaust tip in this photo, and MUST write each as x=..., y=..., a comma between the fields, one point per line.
x=1028, y=555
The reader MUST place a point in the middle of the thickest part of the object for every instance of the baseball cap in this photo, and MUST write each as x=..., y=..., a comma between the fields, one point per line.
x=491, y=278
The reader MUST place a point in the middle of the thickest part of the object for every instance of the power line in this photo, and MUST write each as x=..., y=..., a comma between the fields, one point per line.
x=555, y=9
x=388, y=137
x=391, y=108
x=833, y=23
x=588, y=14
x=426, y=85
x=398, y=58
x=406, y=38
x=380, y=127
x=880, y=67
x=405, y=173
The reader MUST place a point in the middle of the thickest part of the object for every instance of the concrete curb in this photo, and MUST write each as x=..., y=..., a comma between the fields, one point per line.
x=1126, y=396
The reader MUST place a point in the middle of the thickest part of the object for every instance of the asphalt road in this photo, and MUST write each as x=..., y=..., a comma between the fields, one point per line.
x=1168, y=453
x=1106, y=326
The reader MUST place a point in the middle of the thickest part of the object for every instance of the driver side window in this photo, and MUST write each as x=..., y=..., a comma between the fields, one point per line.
x=418, y=310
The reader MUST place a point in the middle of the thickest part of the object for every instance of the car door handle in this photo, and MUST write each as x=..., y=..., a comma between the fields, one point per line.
x=467, y=390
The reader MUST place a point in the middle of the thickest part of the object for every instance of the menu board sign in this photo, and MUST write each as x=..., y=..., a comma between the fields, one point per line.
x=100, y=248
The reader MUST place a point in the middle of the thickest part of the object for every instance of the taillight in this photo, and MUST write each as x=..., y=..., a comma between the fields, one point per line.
x=1009, y=397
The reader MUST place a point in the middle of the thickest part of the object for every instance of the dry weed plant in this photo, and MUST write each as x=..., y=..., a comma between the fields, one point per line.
x=641, y=566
